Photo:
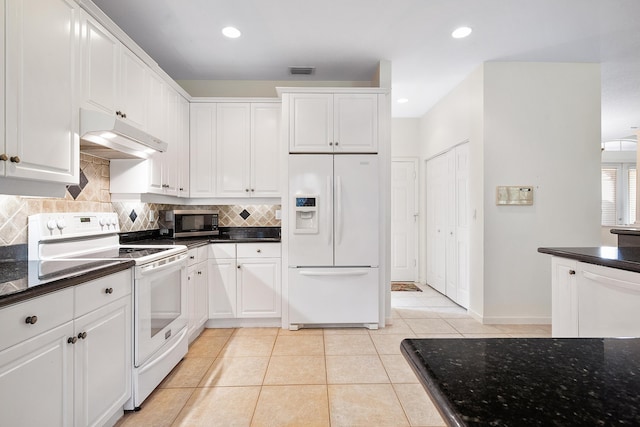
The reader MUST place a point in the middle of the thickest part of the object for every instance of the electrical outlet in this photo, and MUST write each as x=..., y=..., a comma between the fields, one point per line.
x=152, y=215
x=278, y=214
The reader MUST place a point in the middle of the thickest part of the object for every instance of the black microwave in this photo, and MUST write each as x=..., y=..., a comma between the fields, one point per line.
x=189, y=223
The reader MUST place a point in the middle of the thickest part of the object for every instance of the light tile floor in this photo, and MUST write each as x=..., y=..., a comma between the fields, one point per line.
x=313, y=377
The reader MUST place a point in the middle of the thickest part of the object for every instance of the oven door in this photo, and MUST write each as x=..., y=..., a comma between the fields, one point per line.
x=160, y=305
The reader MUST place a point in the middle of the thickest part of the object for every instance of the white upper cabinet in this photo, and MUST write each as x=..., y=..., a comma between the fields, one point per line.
x=132, y=97
x=233, y=139
x=184, y=147
x=265, y=149
x=202, y=178
x=114, y=79
x=100, y=67
x=333, y=123
x=247, y=150
x=238, y=144
x=41, y=43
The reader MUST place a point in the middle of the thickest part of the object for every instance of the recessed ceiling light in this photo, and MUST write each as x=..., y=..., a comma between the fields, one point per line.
x=402, y=100
x=231, y=32
x=460, y=33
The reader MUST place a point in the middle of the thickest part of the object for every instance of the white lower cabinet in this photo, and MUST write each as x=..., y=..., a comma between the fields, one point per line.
x=197, y=291
x=244, y=280
x=594, y=301
x=36, y=380
x=72, y=365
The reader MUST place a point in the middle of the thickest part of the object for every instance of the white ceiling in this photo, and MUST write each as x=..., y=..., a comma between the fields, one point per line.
x=345, y=39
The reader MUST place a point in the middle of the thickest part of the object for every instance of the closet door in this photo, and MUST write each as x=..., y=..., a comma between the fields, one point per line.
x=436, y=223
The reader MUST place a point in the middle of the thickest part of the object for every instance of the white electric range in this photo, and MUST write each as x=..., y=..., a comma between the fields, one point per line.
x=159, y=288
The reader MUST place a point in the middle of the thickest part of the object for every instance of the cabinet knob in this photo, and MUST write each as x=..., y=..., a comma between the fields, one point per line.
x=336, y=143
x=258, y=250
x=72, y=340
x=119, y=113
x=572, y=272
x=82, y=335
x=124, y=115
x=181, y=189
x=252, y=190
x=4, y=157
x=108, y=291
x=14, y=159
x=199, y=272
x=246, y=190
x=238, y=266
x=192, y=257
x=331, y=143
x=31, y=320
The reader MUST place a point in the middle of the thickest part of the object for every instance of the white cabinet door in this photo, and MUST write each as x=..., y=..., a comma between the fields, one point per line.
x=42, y=70
x=36, y=380
x=201, y=294
x=202, y=177
x=132, y=95
x=163, y=123
x=100, y=57
x=265, y=149
x=233, y=150
x=222, y=288
x=197, y=295
x=355, y=123
x=259, y=287
x=564, y=298
x=311, y=123
x=102, y=362
x=184, y=146
x=328, y=123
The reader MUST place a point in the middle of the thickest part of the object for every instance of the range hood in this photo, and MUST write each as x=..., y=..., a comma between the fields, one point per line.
x=110, y=137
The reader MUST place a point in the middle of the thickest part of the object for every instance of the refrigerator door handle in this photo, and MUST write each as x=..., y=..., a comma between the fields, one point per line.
x=328, y=211
x=333, y=273
x=338, y=209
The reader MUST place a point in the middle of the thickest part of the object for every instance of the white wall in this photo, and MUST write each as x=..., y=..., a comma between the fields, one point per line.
x=455, y=119
x=527, y=124
x=405, y=137
x=542, y=128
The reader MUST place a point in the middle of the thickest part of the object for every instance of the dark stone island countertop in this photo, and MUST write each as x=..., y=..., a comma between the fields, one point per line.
x=530, y=381
x=227, y=235
x=623, y=258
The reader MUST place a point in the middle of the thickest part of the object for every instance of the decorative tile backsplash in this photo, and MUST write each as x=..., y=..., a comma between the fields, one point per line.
x=92, y=195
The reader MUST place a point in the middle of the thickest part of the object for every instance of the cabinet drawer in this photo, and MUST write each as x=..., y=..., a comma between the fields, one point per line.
x=222, y=250
x=46, y=312
x=259, y=250
x=93, y=294
x=192, y=257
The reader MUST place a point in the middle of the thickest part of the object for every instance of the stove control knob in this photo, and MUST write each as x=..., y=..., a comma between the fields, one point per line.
x=103, y=222
x=114, y=222
x=61, y=223
x=51, y=224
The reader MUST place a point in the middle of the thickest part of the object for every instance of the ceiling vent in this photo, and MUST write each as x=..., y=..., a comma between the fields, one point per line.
x=301, y=71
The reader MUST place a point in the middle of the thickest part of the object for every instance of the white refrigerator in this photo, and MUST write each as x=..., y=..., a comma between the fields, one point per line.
x=333, y=240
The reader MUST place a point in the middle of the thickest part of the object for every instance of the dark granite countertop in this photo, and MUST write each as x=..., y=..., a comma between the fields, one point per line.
x=627, y=231
x=227, y=235
x=21, y=280
x=623, y=258
x=530, y=381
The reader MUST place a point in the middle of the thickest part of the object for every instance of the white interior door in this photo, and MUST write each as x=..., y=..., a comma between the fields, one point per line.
x=436, y=187
x=404, y=219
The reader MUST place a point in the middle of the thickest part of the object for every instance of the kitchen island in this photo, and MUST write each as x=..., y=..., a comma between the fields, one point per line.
x=530, y=381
